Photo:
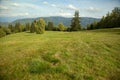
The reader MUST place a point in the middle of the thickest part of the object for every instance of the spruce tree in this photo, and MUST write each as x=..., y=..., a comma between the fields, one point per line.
x=32, y=28
x=27, y=26
x=75, y=22
x=18, y=27
x=111, y=20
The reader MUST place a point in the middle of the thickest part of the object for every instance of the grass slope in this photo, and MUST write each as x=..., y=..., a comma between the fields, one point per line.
x=85, y=55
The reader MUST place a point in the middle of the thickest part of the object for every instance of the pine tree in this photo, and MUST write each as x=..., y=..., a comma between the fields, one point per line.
x=115, y=17
x=27, y=26
x=32, y=28
x=75, y=22
x=18, y=27
x=11, y=27
x=111, y=20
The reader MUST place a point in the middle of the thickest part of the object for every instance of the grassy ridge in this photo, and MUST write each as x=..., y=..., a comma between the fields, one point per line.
x=85, y=55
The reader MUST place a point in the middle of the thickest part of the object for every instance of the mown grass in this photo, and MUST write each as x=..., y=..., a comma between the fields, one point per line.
x=84, y=55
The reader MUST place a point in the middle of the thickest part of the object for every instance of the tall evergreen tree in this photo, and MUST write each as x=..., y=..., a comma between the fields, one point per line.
x=115, y=20
x=27, y=26
x=18, y=27
x=111, y=20
x=75, y=22
x=11, y=27
x=32, y=28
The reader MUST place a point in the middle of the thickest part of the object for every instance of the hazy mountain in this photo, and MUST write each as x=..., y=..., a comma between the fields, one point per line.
x=57, y=19
x=4, y=23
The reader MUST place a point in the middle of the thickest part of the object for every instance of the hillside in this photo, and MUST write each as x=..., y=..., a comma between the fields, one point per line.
x=84, y=55
x=4, y=23
x=57, y=20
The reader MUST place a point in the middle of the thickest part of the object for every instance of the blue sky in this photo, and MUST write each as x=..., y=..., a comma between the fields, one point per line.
x=65, y=8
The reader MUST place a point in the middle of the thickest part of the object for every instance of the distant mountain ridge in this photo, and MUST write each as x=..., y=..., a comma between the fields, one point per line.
x=57, y=19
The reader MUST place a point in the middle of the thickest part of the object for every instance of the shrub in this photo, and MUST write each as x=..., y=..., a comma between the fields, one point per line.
x=39, y=30
x=38, y=26
x=41, y=26
x=2, y=33
x=61, y=27
x=7, y=31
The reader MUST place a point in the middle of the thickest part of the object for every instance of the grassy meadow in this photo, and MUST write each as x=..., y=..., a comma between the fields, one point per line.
x=55, y=55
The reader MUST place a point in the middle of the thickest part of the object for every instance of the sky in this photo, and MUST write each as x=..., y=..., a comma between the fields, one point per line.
x=16, y=9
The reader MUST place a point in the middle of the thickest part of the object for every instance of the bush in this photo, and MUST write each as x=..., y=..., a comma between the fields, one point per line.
x=38, y=26
x=7, y=31
x=2, y=33
x=39, y=30
x=61, y=27
x=38, y=66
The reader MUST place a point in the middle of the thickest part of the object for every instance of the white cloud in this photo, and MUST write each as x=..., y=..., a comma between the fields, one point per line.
x=24, y=5
x=18, y=9
x=20, y=14
x=64, y=14
x=92, y=9
x=71, y=7
x=53, y=5
x=15, y=4
x=14, y=14
x=3, y=7
x=31, y=6
x=45, y=2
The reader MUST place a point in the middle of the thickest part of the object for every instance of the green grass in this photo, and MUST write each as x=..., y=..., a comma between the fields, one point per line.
x=84, y=55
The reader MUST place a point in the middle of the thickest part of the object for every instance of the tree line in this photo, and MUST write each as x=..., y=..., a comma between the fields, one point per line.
x=39, y=26
x=111, y=20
